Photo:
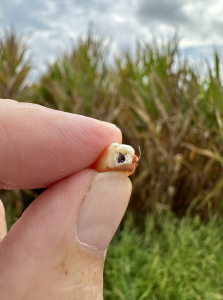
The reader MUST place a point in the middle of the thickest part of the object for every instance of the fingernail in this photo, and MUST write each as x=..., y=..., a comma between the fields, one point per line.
x=102, y=209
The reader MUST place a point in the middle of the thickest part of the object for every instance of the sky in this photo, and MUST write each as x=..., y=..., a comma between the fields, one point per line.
x=51, y=24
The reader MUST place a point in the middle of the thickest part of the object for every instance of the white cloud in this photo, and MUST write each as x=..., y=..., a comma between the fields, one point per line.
x=52, y=23
x=198, y=22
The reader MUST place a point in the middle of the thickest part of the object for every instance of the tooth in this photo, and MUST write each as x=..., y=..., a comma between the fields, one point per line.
x=117, y=157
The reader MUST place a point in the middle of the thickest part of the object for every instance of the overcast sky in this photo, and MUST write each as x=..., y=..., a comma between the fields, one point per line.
x=51, y=23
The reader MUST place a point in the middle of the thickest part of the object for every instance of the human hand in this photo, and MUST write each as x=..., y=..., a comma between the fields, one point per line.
x=56, y=250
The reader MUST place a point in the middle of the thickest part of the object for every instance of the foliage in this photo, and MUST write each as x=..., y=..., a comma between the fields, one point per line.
x=14, y=66
x=176, y=125
x=159, y=102
x=76, y=82
x=168, y=259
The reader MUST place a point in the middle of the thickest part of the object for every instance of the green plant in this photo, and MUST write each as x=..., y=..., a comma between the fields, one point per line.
x=167, y=114
x=14, y=66
x=167, y=259
x=76, y=82
x=156, y=98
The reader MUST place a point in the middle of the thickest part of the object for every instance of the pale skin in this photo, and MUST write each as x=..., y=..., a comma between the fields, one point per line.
x=46, y=254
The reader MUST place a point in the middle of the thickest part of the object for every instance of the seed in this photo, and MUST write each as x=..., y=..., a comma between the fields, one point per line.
x=117, y=157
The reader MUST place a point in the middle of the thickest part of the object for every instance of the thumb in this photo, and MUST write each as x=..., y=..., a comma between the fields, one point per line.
x=56, y=250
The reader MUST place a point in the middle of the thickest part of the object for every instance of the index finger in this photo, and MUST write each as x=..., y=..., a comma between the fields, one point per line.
x=39, y=146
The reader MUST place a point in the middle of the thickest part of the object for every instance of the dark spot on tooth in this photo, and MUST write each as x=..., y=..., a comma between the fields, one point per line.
x=121, y=158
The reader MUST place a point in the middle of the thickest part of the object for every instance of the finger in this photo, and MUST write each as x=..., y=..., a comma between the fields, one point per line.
x=39, y=146
x=57, y=248
x=3, y=227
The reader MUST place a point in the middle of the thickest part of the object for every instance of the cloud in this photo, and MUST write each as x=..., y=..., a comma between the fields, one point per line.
x=50, y=24
x=24, y=15
x=198, y=22
x=162, y=11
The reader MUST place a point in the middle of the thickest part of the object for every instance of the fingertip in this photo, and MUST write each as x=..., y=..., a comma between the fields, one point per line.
x=116, y=130
x=50, y=144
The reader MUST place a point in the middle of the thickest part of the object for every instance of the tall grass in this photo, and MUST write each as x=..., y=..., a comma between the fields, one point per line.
x=14, y=66
x=178, y=127
x=74, y=83
x=159, y=102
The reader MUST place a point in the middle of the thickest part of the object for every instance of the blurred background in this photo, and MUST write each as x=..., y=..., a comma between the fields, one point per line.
x=154, y=69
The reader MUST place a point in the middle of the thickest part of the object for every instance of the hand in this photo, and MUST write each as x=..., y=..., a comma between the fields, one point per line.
x=56, y=250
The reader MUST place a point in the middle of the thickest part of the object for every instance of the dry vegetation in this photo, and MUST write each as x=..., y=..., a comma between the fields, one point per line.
x=158, y=101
